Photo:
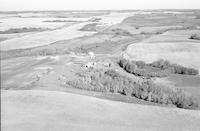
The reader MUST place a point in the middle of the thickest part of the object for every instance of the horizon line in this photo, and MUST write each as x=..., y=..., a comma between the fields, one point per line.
x=95, y=10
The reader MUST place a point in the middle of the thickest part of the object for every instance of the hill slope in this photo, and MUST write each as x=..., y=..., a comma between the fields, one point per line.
x=36, y=110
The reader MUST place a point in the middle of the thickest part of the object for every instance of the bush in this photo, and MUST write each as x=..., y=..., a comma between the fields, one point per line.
x=160, y=68
x=111, y=81
x=139, y=68
x=21, y=30
x=140, y=64
x=123, y=62
x=177, y=69
x=197, y=16
x=195, y=36
x=121, y=32
x=162, y=64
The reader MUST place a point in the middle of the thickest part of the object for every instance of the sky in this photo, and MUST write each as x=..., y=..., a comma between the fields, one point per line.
x=21, y=5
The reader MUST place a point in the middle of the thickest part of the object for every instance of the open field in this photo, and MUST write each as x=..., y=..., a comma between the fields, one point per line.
x=68, y=76
x=64, y=33
x=61, y=111
x=176, y=52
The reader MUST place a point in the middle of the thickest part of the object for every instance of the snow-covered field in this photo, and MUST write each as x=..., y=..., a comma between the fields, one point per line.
x=114, y=18
x=45, y=38
x=36, y=90
x=48, y=37
x=17, y=22
x=36, y=110
x=183, y=53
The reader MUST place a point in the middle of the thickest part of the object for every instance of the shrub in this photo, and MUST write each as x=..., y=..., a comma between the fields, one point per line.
x=139, y=68
x=123, y=62
x=130, y=68
x=160, y=68
x=121, y=32
x=111, y=81
x=162, y=64
x=177, y=69
x=173, y=68
x=21, y=30
x=140, y=64
x=195, y=36
x=197, y=16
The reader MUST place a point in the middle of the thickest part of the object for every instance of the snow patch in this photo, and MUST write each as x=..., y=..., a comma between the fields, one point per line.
x=43, y=68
